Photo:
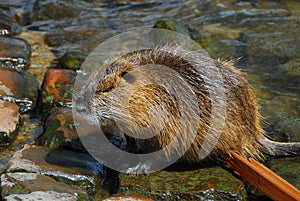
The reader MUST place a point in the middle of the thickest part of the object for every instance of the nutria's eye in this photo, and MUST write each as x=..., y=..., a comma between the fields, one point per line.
x=107, y=89
x=128, y=77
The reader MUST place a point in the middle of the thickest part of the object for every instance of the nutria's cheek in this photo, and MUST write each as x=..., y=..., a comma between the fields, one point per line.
x=139, y=113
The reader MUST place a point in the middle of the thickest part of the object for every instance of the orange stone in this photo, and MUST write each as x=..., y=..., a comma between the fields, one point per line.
x=58, y=86
x=9, y=120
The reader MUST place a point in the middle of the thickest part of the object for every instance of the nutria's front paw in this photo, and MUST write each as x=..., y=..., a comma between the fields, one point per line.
x=139, y=169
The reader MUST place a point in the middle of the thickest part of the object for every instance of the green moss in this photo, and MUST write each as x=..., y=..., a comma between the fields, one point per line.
x=82, y=197
x=51, y=138
x=188, y=185
x=18, y=189
x=171, y=25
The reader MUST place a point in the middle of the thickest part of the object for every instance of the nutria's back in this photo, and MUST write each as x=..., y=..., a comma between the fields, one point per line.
x=240, y=132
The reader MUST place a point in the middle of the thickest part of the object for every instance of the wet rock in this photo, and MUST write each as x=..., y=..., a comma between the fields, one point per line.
x=65, y=166
x=242, y=12
x=172, y=25
x=127, y=197
x=14, y=53
x=288, y=169
x=202, y=184
x=42, y=196
x=72, y=60
x=8, y=25
x=22, y=186
x=287, y=130
x=3, y=162
x=20, y=87
x=9, y=120
x=57, y=87
x=60, y=131
x=282, y=116
x=54, y=10
x=223, y=50
x=292, y=68
x=219, y=41
x=219, y=29
x=274, y=42
x=30, y=126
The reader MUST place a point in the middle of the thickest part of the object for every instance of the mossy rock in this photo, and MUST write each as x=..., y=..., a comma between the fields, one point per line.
x=207, y=183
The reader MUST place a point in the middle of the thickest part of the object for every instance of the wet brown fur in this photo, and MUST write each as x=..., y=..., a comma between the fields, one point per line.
x=242, y=131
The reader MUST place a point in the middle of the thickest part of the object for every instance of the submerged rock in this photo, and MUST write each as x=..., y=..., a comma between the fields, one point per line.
x=14, y=53
x=276, y=42
x=72, y=60
x=292, y=68
x=57, y=87
x=172, y=25
x=22, y=186
x=288, y=169
x=289, y=128
x=53, y=10
x=202, y=184
x=9, y=120
x=60, y=131
x=65, y=166
x=20, y=87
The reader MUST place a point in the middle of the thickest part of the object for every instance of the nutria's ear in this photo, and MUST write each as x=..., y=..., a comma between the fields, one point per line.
x=128, y=77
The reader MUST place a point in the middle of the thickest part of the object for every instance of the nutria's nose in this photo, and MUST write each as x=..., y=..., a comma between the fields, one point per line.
x=81, y=104
x=80, y=109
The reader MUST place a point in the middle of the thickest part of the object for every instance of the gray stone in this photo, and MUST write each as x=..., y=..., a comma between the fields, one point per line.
x=41, y=196
x=14, y=53
x=69, y=167
x=23, y=186
x=20, y=87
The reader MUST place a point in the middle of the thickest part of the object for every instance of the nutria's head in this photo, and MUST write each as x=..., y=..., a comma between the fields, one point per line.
x=136, y=101
x=142, y=96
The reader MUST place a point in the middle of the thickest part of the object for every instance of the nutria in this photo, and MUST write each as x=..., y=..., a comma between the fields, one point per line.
x=241, y=131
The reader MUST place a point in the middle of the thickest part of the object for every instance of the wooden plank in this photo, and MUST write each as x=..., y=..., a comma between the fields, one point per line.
x=262, y=178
